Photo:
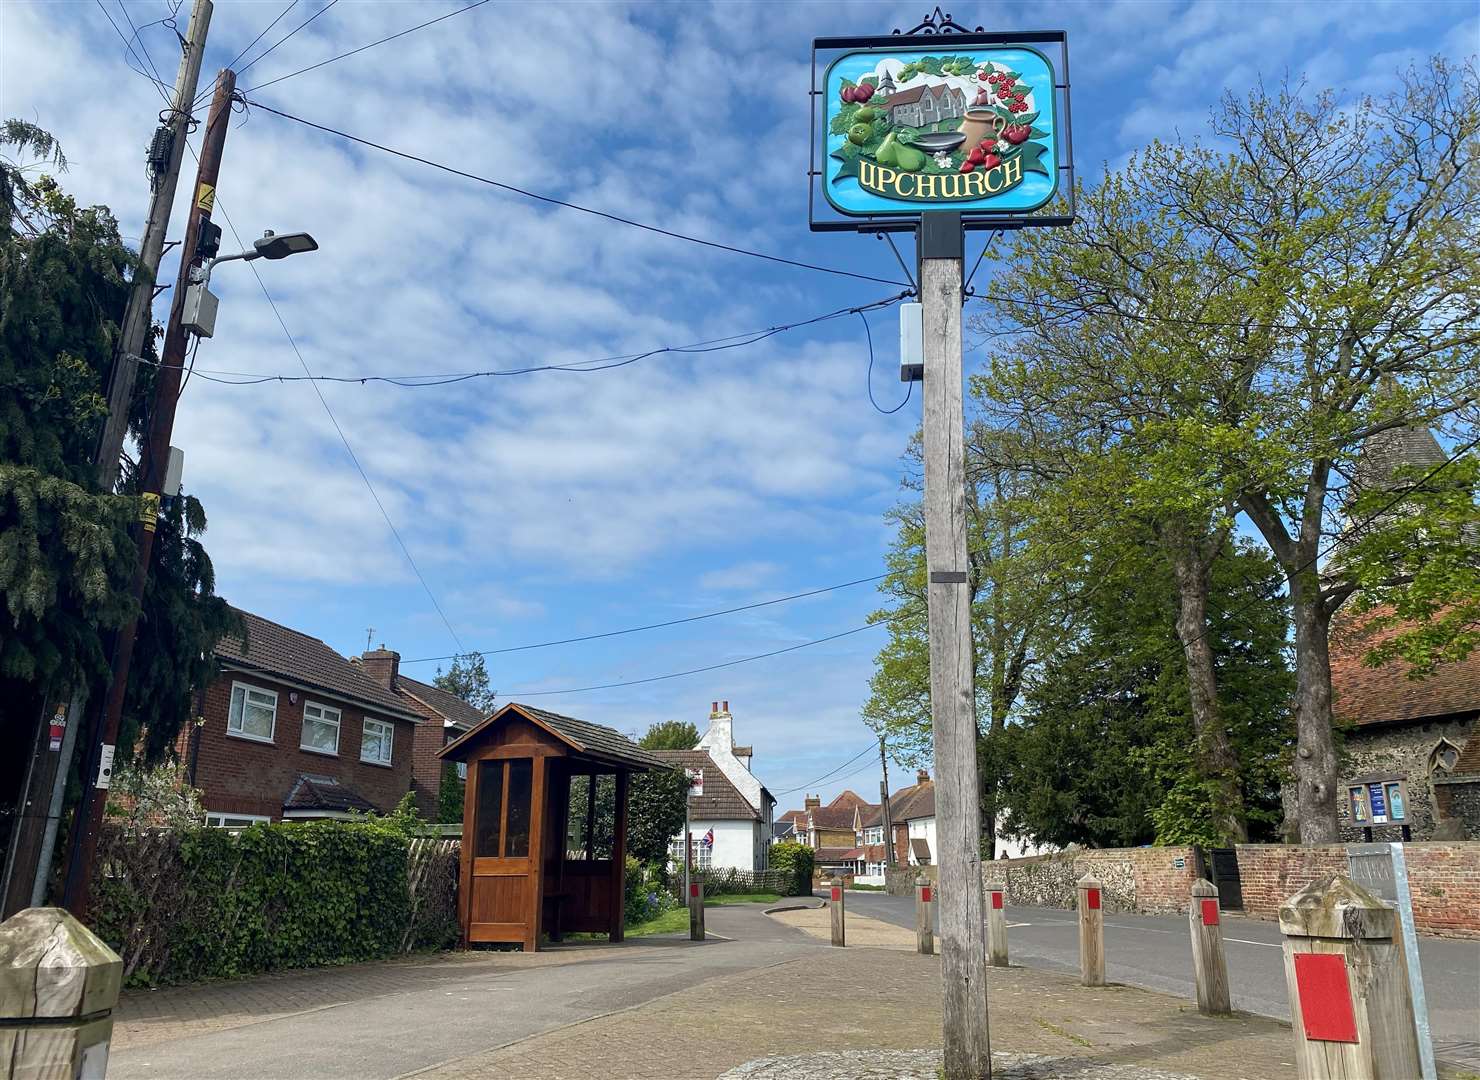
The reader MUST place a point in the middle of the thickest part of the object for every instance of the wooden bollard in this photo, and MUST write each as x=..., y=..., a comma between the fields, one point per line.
x=1091, y=932
x=59, y=985
x=1348, y=984
x=997, y=925
x=1209, y=967
x=696, y=910
x=836, y=900
x=924, y=916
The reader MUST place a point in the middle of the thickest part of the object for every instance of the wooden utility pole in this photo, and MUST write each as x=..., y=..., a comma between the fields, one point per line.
x=33, y=837
x=887, y=818
x=137, y=316
x=968, y=1051
x=153, y=461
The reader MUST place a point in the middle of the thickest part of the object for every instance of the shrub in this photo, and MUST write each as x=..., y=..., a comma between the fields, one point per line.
x=197, y=903
x=799, y=860
x=646, y=893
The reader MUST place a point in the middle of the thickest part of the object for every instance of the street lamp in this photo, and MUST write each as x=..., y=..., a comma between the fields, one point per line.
x=199, y=315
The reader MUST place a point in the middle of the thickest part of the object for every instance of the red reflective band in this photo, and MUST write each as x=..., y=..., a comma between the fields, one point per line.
x=1325, y=997
x=997, y=901
x=925, y=894
x=694, y=889
x=1210, y=912
x=1092, y=899
x=837, y=894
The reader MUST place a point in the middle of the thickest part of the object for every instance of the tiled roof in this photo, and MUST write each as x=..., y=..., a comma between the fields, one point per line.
x=783, y=828
x=273, y=649
x=832, y=817
x=850, y=799
x=1386, y=452
x=593, y=740
x=324, y=794
x=1468, y=762
x=445, y=706
x=796, y=817
x=831, y=856
x=906, y=804
x=721, y=800
x=1364, y=695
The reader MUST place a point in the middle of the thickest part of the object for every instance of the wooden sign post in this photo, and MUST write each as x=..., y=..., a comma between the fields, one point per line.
x=1209, y=966
x=696, y=909
x=997, y=925
x=924, y=916
x=835, y=899
x=1091, y=932
x=1349, y=1002
x=59, y=985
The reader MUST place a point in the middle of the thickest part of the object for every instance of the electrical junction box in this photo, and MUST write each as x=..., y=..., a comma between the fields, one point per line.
x=911, y=343
x=199, y=314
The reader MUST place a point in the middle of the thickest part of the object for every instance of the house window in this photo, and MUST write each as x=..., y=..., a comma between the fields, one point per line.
x=320, y=728
x=253, y=713
x=235, y=821
x=375, y=747
x=703, y=855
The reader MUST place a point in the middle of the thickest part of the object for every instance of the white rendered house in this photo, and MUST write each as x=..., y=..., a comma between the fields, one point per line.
x=734, y=814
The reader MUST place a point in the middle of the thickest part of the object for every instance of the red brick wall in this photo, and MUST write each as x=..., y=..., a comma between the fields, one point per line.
x=243, y=776
x=426, y=766
x=1443, y=879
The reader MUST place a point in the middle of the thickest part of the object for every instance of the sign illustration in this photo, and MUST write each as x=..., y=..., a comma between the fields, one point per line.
x=911, y=130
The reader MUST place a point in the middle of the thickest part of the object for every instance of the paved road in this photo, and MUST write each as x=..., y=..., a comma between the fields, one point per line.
x=466, y=1009
x=1155, y=951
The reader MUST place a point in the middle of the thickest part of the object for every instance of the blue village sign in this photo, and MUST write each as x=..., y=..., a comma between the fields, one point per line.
x=935, y=128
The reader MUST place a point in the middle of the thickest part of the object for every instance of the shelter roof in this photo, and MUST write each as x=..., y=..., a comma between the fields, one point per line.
x=590, y=740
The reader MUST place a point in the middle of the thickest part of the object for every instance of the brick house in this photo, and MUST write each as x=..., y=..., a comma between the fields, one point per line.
x=293, y=730
x=447, y=718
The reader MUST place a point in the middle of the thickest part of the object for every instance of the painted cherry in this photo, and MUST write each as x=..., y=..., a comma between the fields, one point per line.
x=1016, y=133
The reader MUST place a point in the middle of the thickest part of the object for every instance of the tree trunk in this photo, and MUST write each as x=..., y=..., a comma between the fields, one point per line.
x=1192, y=559
x=1315, y=748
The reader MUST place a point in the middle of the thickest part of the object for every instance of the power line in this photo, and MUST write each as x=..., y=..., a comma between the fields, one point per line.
x=658, y=625
x=279, y=41
x=414, y=382
x=698, y=670
x=869, y=378
x=142, y=43
x=340, y=432
x=291, y=5
x=362, y=48
x=552, y=201
x=128, y=45
x=830, y=774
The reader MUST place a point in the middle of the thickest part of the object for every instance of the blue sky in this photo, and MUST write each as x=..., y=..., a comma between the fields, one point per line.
x=556, y=504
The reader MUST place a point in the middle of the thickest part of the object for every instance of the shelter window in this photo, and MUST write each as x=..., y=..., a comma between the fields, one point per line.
x=501, y=829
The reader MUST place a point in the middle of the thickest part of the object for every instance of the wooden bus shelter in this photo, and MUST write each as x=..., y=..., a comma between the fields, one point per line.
x=522, y=872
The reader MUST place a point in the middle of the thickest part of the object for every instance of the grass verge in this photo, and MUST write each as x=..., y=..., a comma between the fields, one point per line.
x=742, y=898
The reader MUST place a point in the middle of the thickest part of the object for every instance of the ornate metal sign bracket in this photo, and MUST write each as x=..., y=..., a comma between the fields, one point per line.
x=939, y=23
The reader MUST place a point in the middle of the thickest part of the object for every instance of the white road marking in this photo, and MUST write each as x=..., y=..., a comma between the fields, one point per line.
x=1246, y=941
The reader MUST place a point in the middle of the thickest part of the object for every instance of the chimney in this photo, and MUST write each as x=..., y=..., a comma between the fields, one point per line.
x=922, y=777
x=383, y=665
x=812, y=802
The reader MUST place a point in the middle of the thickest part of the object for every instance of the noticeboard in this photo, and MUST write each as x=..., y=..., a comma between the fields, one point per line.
x=973, y=123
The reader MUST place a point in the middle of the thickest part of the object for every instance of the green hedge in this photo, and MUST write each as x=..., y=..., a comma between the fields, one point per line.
x=200, y=903
x=798, y=860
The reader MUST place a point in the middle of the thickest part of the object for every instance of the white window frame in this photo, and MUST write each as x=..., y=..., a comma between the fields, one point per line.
x=389, y=742
x=233, y=716
x=337, y=723
x=220, y=819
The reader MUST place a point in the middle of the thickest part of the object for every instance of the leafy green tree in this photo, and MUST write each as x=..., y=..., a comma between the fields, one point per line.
x=1329, y=250
x=1103, y=752
x=65, y=552
x=670, y=735
x=467, y=678
x=450, y=794
x=1012, y=622
x=655, y=813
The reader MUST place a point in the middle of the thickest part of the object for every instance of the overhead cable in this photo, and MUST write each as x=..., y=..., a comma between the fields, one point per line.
x=552, y=201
